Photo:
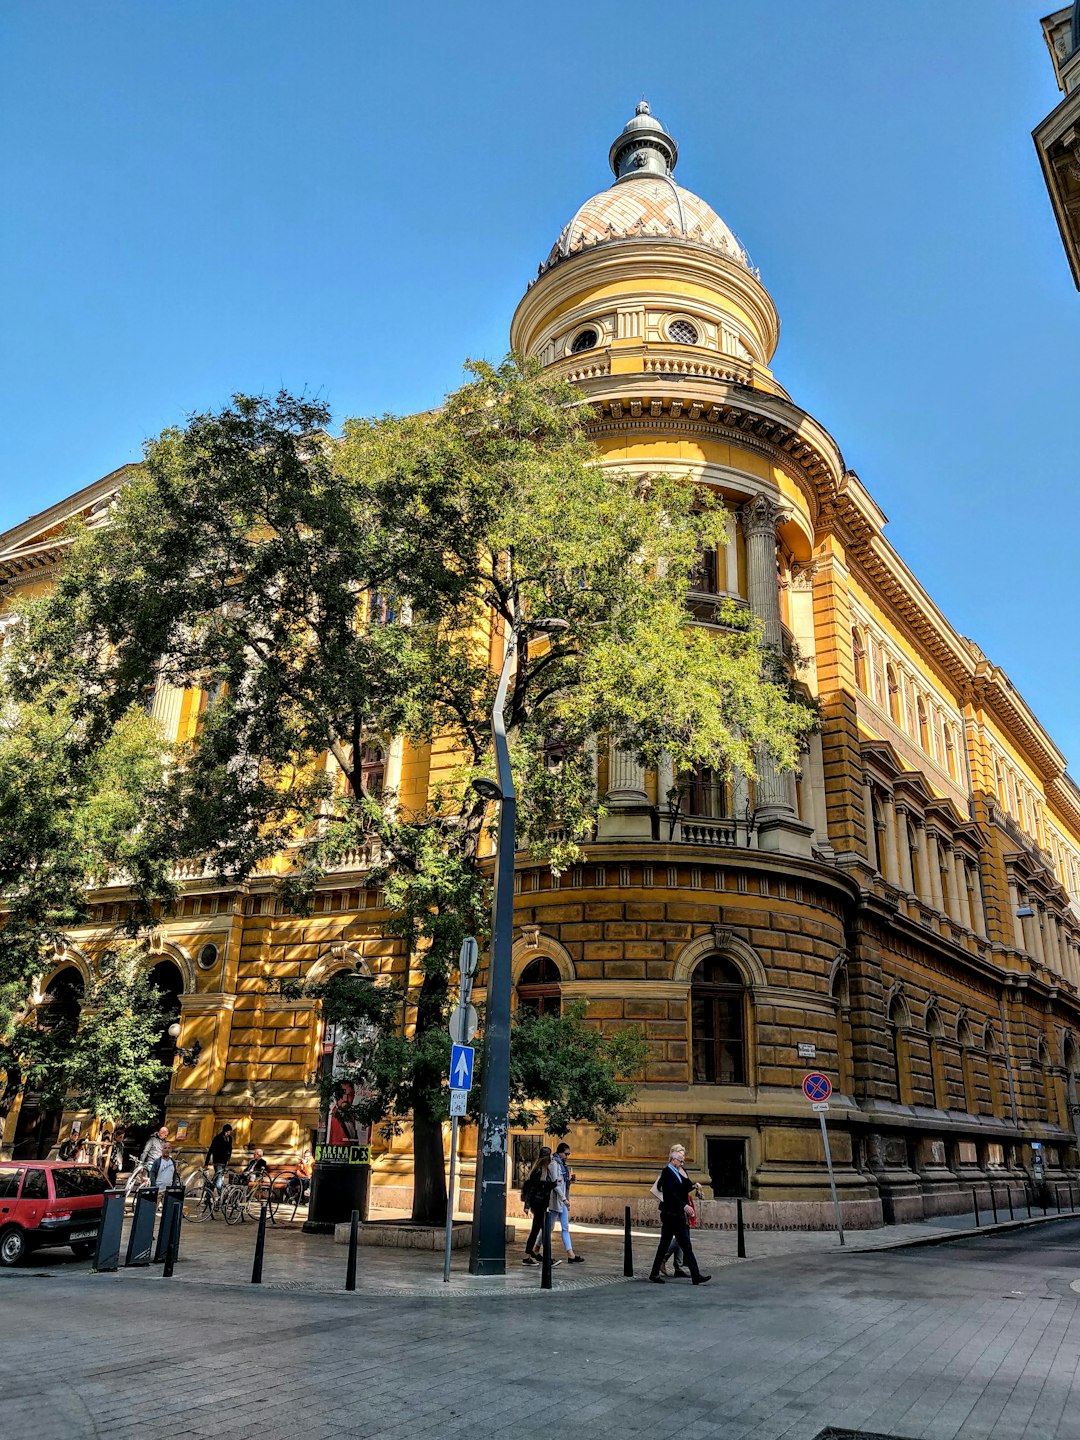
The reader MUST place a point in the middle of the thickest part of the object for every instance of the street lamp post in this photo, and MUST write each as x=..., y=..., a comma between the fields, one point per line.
x=488, y=1253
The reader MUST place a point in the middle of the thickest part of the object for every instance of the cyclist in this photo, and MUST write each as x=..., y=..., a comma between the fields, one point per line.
x=219, y=1154
x=151, y=1151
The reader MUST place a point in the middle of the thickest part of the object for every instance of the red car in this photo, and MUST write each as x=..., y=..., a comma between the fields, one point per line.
x=49, y=1203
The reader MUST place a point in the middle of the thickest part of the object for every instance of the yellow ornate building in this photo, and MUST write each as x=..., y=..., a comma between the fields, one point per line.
x=907, y=905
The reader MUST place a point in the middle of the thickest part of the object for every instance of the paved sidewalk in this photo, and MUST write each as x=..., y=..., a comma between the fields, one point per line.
x=213, y=1253
x=978, y=1340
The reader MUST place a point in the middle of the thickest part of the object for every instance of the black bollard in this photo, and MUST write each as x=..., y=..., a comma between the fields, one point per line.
x=354, y=1240
x=545, y=1264
x=174, y=1242
x=1027, y=1198
x=993, y=1204
x=975, y=1204
x=1008, y=1192
x=627, y=1246
x=1057, y=1198
x=260, y=1246
x=740, y=1233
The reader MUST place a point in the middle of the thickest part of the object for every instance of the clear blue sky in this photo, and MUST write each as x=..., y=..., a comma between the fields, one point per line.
x=203, y=196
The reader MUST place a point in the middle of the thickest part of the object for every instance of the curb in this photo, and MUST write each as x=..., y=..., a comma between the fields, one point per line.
x=948, y=1236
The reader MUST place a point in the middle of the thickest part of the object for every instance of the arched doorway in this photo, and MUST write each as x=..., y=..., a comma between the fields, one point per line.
x=38, y=1125
x=167, y=979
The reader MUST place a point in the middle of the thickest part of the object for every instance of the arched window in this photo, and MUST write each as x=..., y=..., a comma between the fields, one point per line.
x=858, y=659
x=965, y=1038
x=924, y=729
x=841, y=994
x=899, y=1022
x=718, y=1018
x=539, y=988
x=38, y=1125
x=935, y=1030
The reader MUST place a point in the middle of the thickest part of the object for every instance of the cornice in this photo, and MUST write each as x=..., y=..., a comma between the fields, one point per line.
x=765, y=424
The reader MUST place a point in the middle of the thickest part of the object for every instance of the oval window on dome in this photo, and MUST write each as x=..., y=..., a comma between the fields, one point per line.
x=586, y=339
x=682, y=332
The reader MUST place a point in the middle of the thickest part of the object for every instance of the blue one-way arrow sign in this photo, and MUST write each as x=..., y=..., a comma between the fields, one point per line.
x=461, y=1063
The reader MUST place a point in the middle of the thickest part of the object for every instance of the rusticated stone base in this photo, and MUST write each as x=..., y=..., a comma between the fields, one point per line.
x=404, y=1235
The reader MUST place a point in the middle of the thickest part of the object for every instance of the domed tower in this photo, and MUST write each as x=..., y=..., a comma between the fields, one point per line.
x=709, y=911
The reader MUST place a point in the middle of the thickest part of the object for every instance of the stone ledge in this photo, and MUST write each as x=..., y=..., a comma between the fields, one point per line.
x=404, y=1235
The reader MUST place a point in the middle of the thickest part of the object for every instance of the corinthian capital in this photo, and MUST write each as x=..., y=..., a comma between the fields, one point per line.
x=761, y=516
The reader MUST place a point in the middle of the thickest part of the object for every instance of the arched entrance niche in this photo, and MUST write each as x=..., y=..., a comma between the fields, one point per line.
x=167, y=976
x=38, y=1125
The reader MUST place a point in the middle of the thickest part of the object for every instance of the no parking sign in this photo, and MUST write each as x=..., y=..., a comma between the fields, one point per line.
x=816, y=1087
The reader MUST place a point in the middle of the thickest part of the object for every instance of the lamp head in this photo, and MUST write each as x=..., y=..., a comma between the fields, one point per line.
x=174, y=1030
x=488, y=789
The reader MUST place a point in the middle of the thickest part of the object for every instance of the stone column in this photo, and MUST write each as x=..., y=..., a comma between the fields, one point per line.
x=907, y=879
x=628, y=816
x=934, y=867
x=963, y=909
x=779, y=827
x=1019, y=936
x=922, y=862
x=892, y=863
x=950, y=895
x=871, y=833
x=978, y=920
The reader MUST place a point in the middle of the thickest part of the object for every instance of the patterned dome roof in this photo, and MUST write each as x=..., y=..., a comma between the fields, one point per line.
x=644, y=207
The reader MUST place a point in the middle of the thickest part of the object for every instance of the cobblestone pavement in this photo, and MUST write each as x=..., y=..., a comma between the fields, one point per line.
x=978, y=1340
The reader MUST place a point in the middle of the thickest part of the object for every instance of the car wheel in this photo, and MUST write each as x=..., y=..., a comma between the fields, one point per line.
x=13, y=1246
x=83, y=1249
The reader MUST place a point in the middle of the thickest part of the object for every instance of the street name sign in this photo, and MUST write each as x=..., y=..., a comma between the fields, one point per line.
x=805, y=1050
x=461, y=1067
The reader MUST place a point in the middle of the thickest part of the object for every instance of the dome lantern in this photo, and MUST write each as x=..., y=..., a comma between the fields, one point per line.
x=643, y=147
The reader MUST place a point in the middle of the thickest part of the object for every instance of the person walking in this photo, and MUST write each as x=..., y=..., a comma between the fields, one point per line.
x=534, y=1197
x=219, y=1153
x=559, y=1171
x=673, y=1188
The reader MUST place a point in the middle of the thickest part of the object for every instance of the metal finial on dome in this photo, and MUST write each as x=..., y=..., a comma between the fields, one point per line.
x=643, y=147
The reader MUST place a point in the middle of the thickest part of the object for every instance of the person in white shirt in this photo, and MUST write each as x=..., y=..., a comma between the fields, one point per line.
x=163, y=1170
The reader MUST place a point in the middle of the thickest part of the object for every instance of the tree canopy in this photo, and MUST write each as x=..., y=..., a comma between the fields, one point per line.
x=329, y=593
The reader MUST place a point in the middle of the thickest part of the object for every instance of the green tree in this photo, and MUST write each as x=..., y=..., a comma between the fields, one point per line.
x=76, y=807
x=329, y=593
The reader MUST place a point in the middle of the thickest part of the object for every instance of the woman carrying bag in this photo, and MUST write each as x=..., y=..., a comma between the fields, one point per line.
x=534, y=1197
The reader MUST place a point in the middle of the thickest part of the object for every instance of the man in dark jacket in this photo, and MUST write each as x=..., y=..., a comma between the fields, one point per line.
x=219, y=1154
x=672, y=1189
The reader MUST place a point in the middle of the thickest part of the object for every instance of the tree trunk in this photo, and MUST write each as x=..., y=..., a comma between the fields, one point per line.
x=429, y=1175
x=429, y=1182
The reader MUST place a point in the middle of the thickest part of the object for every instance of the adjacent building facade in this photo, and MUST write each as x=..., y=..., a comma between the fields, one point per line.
x=903, y=915
x=1057, y=138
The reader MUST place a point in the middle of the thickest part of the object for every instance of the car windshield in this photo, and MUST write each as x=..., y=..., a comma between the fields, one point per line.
x=79, y=1180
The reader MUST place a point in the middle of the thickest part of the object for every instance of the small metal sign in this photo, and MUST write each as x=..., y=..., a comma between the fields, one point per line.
x=468, y=956
x=805, y=1050
x=459, y=1102
x=463, y=1024
x=820, y=1105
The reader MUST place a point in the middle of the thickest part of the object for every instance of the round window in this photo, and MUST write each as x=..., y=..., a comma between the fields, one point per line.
x=682, y=332
x=584, y=340
x=208, y=957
